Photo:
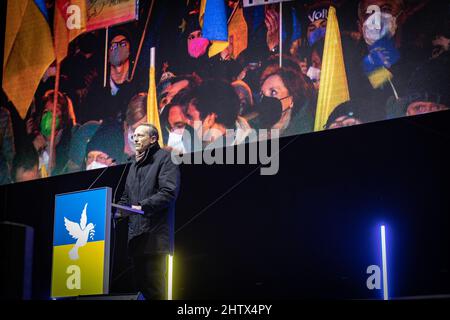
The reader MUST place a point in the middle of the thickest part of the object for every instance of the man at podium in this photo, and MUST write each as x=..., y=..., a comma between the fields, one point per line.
x=152, y=186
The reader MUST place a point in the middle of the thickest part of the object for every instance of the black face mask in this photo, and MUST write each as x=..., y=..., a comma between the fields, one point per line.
x=269, y=110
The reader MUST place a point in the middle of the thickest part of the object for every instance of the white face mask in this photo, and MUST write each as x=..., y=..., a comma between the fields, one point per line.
x=387, y=27
x=95, y=165
x=176, y=141
x=313, y=73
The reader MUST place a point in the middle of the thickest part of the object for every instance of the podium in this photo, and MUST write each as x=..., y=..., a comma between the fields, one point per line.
x=125, y=211
x=81, y=242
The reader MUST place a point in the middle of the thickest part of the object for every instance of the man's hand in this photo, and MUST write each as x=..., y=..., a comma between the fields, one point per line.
x=120, y=214
x=39, y=143
x=137, y=207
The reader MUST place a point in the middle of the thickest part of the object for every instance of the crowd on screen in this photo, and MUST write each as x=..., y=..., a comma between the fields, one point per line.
x=200, y=98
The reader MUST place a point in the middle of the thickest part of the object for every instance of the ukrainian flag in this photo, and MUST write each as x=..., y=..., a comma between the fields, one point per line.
x=333, y=88
x=213, y=20
x=28, y=51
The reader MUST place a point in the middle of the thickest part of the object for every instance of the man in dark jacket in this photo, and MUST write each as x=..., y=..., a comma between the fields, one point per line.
x=152, y=186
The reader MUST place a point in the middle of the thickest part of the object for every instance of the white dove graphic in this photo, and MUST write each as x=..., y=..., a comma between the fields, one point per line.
x=80, y=231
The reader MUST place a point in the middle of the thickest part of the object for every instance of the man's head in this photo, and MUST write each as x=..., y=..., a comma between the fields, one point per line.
x=215, y=107
x=119, y=50
x=171, y=90
x=177, y=118
x=350, y=113
x=175, y=86
x=245, y=95
x=26, y=165
x=87, y=44
x=105, y=148
x=98, y=159
x=144, y=137
x=315, y=69
x=393, y=7
x=427, y=91
x=378, y=18
x=421, y=107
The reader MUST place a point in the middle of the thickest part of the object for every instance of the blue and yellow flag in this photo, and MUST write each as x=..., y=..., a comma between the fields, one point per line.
x=28, y=51
x=333, y=88
x=213, y=20
x=382, y=55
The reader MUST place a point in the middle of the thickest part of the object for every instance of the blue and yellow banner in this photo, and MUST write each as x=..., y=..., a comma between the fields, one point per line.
x=81, y=243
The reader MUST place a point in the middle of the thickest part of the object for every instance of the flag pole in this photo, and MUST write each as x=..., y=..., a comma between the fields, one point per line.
x=152, y=103
x=281, y=35
x=152, y=57
x=152, y=71
x=233, y=12
x=142, y=41
x=52, y=161
x=393, y=89
x=106, y=57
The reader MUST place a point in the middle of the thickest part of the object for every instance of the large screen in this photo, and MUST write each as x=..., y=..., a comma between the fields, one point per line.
x=79, y=76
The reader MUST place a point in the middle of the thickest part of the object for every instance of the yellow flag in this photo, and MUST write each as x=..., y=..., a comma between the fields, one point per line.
x=238, y=33
x=333, y=88
x=379, y=77
x=28, y=52
x=44, y=172
x=152, y=104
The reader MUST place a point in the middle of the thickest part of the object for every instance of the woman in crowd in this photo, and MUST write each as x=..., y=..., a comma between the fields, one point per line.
x=297, y=98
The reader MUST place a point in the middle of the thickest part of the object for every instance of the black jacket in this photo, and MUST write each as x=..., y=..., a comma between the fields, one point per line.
x=152, y=183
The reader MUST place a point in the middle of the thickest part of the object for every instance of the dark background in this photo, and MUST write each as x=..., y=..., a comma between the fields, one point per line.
x=308, y=232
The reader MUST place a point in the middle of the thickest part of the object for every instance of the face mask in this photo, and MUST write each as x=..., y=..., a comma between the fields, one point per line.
x=131, y=140
x=388, y=26
x=313, y=74
x=176, y=141
x=95, y=165
x=119, y=55
x=270, y=111
x=46, y=123
x=197, y=47
x=316, y=35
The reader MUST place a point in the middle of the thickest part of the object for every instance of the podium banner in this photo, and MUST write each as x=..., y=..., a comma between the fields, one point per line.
x=81, y=236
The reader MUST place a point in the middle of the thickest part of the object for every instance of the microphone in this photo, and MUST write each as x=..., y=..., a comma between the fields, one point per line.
x=98, y=177
x=121, y=176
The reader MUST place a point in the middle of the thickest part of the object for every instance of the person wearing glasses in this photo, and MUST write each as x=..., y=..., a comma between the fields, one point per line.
x=112, y=101
x=119, y=59
x=152, y=186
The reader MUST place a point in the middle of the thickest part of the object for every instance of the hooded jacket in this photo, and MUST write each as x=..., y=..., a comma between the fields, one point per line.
x=153, y=183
